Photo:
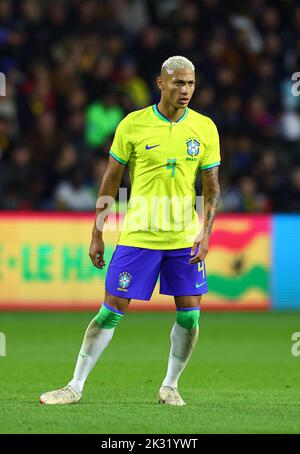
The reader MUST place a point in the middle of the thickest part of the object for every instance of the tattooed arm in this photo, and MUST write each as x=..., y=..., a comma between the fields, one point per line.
x=211, y=193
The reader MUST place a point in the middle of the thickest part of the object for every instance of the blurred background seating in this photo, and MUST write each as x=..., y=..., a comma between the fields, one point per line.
x=75, y=68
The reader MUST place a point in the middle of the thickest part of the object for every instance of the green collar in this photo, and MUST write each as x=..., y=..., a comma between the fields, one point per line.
x=163, y=118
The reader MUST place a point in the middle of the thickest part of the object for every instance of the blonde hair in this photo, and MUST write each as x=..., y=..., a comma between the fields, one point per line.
x=176, y=62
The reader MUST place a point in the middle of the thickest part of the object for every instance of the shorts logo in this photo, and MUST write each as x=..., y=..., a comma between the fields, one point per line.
x=199, y=285
x=124, y=281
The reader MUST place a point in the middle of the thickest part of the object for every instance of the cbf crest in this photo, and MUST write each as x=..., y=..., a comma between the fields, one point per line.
x=193, y=147
x=124, y=281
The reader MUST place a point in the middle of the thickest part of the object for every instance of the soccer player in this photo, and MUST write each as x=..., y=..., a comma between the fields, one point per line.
x=165, y=146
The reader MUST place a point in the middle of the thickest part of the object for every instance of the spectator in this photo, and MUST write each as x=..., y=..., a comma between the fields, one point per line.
x=73, y=193
x=63, y=164
x=44, y=140
x=102, y=118
x=250, y=200
x=22, y=185
x=270, y=179
x=133, y=85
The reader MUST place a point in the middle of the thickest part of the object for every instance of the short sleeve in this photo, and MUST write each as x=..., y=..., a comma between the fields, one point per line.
x=122, y=146
x=211, y=157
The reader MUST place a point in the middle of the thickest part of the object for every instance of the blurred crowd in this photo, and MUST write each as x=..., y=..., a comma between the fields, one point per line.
x=75, y=68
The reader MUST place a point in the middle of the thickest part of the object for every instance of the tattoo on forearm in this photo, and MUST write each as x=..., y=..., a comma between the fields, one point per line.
x=211, y=192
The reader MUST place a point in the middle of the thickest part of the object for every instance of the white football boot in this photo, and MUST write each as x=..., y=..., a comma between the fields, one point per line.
x=66, y=395
x=170, y=396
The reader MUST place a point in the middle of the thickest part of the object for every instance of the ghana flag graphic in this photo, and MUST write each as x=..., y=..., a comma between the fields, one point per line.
x=238, y=263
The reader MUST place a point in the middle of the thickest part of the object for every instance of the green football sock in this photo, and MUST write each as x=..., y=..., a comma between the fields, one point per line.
x=97, y=337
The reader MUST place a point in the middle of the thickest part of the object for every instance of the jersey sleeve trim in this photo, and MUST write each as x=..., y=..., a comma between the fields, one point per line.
x=208, y=166
x=117, y=158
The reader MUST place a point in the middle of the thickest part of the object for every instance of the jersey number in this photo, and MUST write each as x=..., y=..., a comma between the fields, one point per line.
x=171, y=164
x=201, y=268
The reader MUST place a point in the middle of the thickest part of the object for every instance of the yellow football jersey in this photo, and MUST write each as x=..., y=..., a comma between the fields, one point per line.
x=163, y=158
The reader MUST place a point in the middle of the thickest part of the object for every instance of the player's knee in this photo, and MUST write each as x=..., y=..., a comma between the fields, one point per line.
x=108, y=317
x=188, y=318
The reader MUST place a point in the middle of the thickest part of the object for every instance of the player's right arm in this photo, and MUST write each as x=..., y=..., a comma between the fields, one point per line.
x=210, y=190
x=108, y=188
x=119, y=156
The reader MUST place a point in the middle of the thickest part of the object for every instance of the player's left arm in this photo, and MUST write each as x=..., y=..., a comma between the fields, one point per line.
x=211, y=193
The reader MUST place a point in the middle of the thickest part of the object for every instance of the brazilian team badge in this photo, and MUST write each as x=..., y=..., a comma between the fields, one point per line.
x=192, y=147
x=124, y=281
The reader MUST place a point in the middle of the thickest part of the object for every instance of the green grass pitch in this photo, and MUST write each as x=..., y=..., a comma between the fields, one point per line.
x=242, y=377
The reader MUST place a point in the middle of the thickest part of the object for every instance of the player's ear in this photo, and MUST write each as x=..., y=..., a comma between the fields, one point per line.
x=159, y=82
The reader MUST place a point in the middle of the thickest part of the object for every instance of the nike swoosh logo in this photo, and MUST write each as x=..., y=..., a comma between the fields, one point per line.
x=149, y=147
x=199, y=285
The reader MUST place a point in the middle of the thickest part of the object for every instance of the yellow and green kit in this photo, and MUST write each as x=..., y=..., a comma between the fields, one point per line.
x=164, y=158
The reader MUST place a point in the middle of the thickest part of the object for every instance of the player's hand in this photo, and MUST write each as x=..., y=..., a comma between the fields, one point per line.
x=96, y=252
x=202, y=251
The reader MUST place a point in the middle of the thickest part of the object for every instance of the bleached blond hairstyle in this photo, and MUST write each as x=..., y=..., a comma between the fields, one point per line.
x=176, y=62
